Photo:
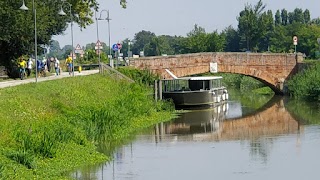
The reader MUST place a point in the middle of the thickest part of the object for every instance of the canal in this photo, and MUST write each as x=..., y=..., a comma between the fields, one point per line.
x=250, y=137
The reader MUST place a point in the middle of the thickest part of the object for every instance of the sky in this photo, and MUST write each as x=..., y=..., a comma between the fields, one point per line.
x=171, y=17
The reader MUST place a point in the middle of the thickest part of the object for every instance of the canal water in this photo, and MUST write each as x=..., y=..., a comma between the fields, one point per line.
x=249, y=138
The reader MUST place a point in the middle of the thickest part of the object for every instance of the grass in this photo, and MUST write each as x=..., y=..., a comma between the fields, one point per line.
x=53, y=127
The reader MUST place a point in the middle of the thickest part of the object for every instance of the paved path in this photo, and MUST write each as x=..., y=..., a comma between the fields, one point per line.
x=40, y=79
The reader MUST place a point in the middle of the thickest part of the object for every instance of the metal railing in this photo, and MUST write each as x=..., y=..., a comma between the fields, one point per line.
x=109, y=71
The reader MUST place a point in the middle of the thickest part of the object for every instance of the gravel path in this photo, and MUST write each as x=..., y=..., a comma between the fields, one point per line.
x=9, y=83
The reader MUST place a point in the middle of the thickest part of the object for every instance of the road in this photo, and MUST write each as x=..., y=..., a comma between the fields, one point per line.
x=10, y=83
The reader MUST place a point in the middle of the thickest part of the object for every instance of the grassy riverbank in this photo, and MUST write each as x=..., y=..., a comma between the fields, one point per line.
x=50, y=128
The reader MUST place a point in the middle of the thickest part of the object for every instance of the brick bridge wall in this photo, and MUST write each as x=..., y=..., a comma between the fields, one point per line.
x=270, y=68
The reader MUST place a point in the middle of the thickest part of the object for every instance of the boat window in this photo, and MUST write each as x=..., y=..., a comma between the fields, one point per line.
x=199, y=84
x=216, y=83
x=175, y=85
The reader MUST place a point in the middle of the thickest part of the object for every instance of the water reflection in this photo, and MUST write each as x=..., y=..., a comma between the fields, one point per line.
x=226, y=141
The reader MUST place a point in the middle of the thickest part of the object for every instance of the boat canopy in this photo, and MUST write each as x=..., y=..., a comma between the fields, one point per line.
x=200, y=78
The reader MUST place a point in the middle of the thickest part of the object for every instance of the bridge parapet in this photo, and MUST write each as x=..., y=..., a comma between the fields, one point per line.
x=271, y=68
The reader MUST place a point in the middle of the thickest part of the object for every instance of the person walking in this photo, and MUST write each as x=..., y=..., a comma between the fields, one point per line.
x=48, y=64
x=69, y=64
x=22, y=68
x=29, y=66
x=57, y=66
x=39, y=66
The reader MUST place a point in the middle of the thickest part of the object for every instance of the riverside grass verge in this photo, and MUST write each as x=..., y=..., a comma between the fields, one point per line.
x=50, y=128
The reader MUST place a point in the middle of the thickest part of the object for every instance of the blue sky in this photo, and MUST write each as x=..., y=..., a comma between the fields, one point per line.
x=172, y=17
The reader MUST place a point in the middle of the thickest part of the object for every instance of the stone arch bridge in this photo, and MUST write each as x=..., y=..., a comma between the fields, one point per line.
x=273, y=69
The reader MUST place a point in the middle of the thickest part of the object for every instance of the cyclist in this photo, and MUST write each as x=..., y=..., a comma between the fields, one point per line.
x=22, y=67
x=69, y=64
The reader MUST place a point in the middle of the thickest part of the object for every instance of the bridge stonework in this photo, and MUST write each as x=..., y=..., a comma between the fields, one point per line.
x=273, y=69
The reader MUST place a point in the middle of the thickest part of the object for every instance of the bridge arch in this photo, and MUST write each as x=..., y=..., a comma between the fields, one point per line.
x=273, y=69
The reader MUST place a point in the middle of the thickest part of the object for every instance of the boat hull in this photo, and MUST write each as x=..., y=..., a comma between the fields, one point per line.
x=191, y=98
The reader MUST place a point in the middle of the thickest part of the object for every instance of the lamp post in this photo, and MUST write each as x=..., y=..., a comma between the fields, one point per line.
x=95, y=14
x=62, y=13
x=108, y=19
x=25, y=8
x=129, y=44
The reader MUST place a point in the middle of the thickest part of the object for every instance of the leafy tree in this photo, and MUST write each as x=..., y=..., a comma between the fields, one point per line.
x=215, y=42
x=306, y=16
x=266, y=25
x=315, y=21
x=232, y=39
x=249, y=20
x=140, y=40
x=290, y=17
x=308, y=35
x=166, y=42
x=279, y=40
x=277, y=18
x=284, y=17
x=298, y=16
x=196, y=40
x=178, y=44
x=152, y=48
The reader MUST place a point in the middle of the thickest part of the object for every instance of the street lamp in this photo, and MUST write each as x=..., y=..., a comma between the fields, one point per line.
x=95, y=14
x=129, y=52
x=62, y=13
x=25, y=8
x=108, y=19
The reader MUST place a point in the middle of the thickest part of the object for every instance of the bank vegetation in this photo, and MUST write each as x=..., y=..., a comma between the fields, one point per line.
x=50, y=128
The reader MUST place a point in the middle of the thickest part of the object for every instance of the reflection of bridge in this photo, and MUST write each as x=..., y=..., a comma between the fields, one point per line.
x=271, y=69
x=271, y=121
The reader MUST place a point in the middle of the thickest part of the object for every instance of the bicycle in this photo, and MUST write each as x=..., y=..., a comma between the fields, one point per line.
x=42, y=72
x=70, y=68
x=22, y=73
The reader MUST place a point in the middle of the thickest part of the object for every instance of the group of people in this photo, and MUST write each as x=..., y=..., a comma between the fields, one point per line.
x=42, y=66
x=45, y=65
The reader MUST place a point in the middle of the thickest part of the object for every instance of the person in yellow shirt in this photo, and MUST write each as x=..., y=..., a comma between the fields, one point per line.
x=22, y=67
x=69, y=64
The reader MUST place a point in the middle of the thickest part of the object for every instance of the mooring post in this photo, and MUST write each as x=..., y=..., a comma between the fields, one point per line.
x=156, y=90
x=160, y=90
x=157, y=138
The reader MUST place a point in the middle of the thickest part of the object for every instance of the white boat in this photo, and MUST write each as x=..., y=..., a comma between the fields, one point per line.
x=195, y=91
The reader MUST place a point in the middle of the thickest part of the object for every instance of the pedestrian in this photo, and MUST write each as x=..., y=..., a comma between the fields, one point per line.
x=39, y=67
x=22, y=67
x=29, y=66
x=57, y=66
x=44, y=63
x=69, y=63
x=48, y=64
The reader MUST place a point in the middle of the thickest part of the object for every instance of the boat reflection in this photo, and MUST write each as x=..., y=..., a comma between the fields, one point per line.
x=214, y=125
x=191, y=123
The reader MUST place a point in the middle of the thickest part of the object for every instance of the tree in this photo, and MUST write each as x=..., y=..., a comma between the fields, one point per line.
x=277, y=18
x=215, y=42
x=298, y=16
x=232, y=39
x=266, y=24
x=140, y=40
x=306, y=15
x=196, y=40
x=284, y=17
x=248, y=25
x=290, y=17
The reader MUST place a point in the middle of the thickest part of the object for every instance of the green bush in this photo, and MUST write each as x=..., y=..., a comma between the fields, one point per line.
x=306, y=84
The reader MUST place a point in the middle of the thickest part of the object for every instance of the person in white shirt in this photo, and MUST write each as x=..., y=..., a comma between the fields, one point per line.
x=57, y=66
x=29, y=66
